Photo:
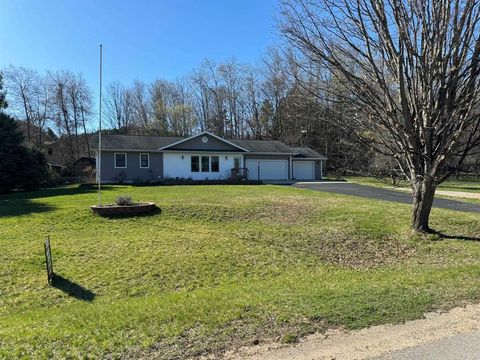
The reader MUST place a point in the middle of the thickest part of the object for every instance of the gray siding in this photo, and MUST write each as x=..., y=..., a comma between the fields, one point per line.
x=319, y=169
x=133, y=171
x=213, y=144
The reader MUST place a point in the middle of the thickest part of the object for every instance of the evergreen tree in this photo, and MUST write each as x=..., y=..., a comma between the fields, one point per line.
x=22, y=168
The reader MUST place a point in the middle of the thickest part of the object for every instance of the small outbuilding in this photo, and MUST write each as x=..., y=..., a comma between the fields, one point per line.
x=84, y=167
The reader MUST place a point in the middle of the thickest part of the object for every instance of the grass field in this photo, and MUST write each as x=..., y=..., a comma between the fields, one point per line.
x=462, y=184
x=221, y=266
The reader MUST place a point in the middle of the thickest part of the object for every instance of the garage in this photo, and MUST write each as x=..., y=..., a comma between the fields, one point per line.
x=304, y=170
x=269, y=169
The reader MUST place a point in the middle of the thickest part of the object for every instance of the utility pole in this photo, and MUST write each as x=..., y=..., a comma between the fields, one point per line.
x=303, y=132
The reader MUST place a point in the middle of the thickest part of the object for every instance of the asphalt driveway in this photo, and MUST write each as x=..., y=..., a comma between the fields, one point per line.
x=464, y=346
x=383, y=194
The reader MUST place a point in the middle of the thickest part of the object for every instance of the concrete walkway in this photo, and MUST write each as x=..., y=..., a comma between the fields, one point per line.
x=383, y=194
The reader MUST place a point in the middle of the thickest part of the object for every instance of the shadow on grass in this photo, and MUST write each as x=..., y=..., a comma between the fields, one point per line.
x=456, y=237
x=66, y=190
x=72, y=289
x=55, y=191
x=17, y=207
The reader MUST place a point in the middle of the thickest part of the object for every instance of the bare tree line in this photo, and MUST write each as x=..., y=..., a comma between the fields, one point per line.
x=243, y=101
x=233, y=100
x=230, y=99
x=60, y=100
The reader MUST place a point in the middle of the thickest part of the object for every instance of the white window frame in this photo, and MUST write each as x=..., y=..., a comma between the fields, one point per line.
x=217, y=156
x=140, y=159
x=115, y=160
x=201, y=163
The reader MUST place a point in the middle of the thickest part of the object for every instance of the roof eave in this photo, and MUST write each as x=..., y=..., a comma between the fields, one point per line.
x=311, y=158
x=203, y=133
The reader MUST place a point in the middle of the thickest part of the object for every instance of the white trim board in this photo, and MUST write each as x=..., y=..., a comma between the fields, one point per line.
x=201, y=134
x=140, y=160
x=115, y=160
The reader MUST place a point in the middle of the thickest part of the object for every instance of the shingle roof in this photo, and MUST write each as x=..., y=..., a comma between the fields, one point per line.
x=131, y=142
x=151, y=143
x=263, y=146
x=307, y=153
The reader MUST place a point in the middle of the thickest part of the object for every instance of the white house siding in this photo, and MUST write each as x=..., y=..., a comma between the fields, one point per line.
x=176, y=167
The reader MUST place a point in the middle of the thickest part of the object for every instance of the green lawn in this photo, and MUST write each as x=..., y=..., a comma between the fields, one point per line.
x=462, y=184
x=221, y=266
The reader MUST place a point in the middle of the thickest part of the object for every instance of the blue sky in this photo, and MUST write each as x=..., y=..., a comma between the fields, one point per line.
x=141, y=39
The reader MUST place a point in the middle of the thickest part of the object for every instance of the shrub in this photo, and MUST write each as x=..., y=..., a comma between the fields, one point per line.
x=124, y=201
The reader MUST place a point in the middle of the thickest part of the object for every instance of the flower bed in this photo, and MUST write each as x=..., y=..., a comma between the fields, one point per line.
x=133, y=209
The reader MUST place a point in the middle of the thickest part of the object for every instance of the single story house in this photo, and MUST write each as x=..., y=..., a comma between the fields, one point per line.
x=203, y=157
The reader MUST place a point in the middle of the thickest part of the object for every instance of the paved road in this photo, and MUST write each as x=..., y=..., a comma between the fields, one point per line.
x=383, y=194
x=459, y=347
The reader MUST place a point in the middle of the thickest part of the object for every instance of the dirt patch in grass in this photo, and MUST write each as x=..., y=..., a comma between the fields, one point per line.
x=286, y=210
x=208, y=212
x=196, y=343
x=370, y=342
x=335, y=247
x=361, y=251
x=278, y=210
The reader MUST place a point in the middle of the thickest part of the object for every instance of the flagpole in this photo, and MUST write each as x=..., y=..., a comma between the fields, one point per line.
x=99, y=165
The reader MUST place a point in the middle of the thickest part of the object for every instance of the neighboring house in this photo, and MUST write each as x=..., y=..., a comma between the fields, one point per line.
x=203, y=157
x=84, y=167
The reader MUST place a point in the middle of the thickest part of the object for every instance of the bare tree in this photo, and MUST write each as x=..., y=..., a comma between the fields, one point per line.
x=3, y=94
x=21, y=82
x=232, y=75
x=32, y=99
x=60, y=83
x=160, y=97
x=119, y=106
x=253, y=103
x=412, y=68
x=85, y=108
x=275, y=88
x=41, y=109
x=141, y=102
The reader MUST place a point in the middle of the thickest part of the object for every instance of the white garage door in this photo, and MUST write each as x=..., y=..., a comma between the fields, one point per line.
x=304, y=170
x=269, y=169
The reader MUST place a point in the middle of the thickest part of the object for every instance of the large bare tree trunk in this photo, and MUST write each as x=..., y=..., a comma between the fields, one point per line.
x=423, y=193
x=409, y=73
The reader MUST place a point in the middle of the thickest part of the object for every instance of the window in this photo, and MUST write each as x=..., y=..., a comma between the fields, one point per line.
x=205, y=164
x=195, y=167
x=214, y=164
x=120, y=160
x=50, y=151
x=144, y=161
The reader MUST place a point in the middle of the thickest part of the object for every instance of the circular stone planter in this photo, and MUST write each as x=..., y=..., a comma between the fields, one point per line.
x=118, y=210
